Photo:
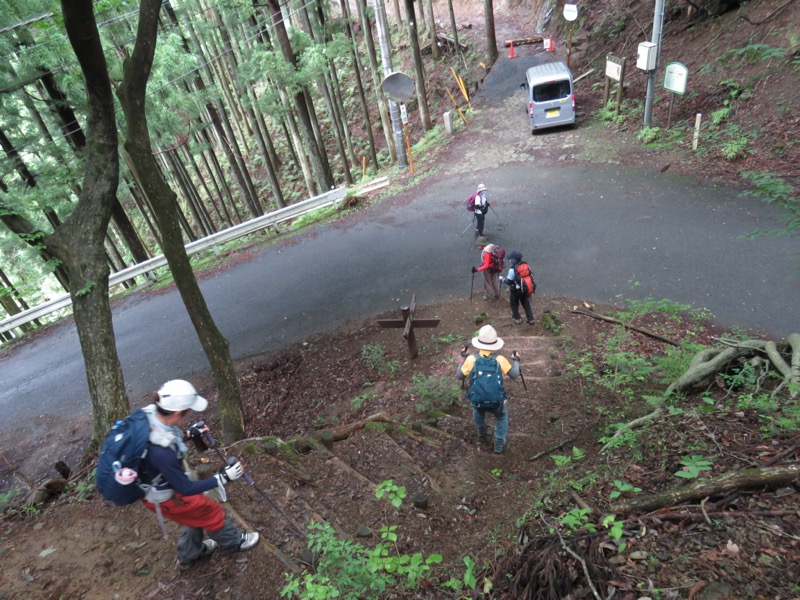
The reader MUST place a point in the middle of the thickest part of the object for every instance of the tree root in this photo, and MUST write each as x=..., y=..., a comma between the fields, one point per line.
x=709, y=362
x=735, y=480
x=546, y=570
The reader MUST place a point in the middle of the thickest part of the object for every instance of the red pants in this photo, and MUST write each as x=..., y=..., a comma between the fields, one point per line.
x=192, y=511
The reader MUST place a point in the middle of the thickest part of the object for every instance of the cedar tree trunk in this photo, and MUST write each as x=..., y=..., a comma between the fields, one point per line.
x=131, y=94
x=78, y=243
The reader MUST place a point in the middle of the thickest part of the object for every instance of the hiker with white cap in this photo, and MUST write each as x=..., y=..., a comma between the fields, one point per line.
x=486, y=393
x=481, y=208
x=172, y=494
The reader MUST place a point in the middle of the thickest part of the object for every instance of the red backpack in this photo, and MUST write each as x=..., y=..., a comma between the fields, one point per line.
x=471, y=202
x=498, y=254
x=524, y=276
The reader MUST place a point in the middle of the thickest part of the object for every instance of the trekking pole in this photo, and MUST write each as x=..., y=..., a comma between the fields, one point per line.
x=468, y=226
x=491, y=208
x=249, y=480
x=472, y=286
x=521, y=376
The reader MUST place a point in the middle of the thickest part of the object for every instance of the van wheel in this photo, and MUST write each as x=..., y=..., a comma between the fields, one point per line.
x=533, y=131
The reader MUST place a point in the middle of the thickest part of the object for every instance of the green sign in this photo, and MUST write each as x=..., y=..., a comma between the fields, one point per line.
x=675, y=77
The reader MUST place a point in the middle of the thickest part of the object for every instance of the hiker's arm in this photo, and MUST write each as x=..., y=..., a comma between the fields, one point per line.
x=464, y=365
x=510, y=368
x=509, y=280
x=163, y=459
x=487, y=260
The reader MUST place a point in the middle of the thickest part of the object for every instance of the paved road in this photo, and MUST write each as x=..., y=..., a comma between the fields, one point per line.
x=598, y=233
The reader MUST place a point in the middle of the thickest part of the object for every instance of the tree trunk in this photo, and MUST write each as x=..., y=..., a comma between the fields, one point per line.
x=322, y=176
x=491, y=39
x=436, y=52
x=27, y=231
x=359, y=84
x=73, y=133
x=79, y=241
x=454, y=26
x=132, y=98
x=419, y=67
x=366, y=27
x=13, y=303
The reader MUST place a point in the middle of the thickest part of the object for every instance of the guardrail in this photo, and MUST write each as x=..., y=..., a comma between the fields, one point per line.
x=292, y=211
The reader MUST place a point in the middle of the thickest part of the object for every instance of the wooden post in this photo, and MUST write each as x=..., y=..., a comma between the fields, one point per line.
x=408, y=323
x=696, y=136
x=621, y=81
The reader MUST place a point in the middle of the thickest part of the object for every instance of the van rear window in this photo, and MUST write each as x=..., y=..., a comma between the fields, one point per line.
x=553, y=90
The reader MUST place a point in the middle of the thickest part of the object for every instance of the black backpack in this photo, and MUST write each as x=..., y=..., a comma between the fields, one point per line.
x=124, y=448
x=486, y=389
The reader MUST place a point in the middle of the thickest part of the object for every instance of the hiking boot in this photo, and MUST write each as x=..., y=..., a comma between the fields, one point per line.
x=496, y=296
x=209, y=547
x=481, y=434
x=517, y=321
x=498, y=448
x=487, y=298
x=530, y=322
x=249, y=540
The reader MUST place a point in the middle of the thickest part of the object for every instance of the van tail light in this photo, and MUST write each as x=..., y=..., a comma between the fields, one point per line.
x=530, y=109
x=573, y=102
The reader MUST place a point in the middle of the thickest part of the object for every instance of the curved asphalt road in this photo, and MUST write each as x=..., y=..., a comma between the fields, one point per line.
x=596, y=233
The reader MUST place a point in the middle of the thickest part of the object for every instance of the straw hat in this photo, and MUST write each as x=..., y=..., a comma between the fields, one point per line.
x=487, y=339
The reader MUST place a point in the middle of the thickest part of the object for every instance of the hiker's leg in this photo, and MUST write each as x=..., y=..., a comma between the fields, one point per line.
x=488, y=289
x=479, y=219
x=513, y=302
x=480, y=421
x=228, y=537
x=526, y=304
x=190, y=544
x=501, y=429
x=493, y=279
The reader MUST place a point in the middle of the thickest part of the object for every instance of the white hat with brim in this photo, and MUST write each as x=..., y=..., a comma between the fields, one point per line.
x=178, y=395
x=487, y=339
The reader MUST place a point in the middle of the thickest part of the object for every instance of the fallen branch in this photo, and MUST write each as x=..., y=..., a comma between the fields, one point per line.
x=594, y=315
x=306, y=443
x=736, y=480
x=539, y=455
x=631, y=425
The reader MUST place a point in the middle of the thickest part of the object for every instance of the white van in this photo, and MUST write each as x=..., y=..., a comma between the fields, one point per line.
x=550, y=95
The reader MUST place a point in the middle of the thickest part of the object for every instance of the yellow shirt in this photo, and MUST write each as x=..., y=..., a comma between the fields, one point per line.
x=469, y=362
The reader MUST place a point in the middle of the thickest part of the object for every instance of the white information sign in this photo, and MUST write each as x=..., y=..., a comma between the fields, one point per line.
x=675, y=77
x=613, y=68
x=403, y=114
x=570, y=12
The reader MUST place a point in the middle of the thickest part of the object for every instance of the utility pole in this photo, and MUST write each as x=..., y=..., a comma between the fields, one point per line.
x=658, y=22
x=386, y=59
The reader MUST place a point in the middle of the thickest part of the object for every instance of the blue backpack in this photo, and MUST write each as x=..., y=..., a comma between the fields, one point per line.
x=124, y=448
x=486, y=389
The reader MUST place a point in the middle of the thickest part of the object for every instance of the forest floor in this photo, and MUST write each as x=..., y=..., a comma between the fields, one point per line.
x=495, y=509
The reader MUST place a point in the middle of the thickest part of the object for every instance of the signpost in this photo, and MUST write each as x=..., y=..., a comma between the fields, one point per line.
x=615, y=71
x=570, y=14
x=407, y=322
x=675, y=77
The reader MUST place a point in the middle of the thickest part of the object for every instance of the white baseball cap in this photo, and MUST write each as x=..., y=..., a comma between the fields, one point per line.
x=177, y=395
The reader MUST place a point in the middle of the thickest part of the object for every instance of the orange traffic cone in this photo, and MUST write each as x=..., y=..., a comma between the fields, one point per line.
x=511, y=51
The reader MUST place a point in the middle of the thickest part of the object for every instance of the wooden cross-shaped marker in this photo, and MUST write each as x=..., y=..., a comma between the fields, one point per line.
x=408, y=323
